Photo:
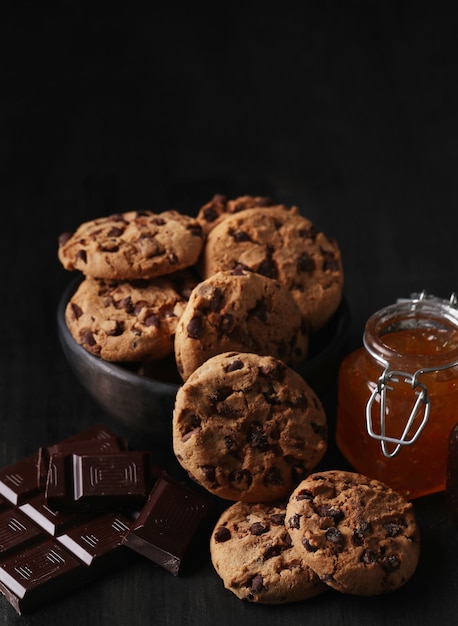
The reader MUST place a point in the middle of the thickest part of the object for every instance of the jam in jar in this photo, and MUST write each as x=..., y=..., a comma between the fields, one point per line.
x=398, y=395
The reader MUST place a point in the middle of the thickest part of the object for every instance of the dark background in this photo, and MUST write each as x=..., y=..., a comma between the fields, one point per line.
x=346, y=109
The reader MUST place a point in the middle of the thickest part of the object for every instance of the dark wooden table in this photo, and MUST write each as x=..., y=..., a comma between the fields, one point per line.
x=347, y=112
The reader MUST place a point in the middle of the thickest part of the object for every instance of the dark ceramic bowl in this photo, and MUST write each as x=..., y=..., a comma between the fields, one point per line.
x=144, y=404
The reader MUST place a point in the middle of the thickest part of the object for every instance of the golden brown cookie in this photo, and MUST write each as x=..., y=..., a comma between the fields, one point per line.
x=242, y=311
x=357, y=534
x=132, y=245
x=283, y=245
x=247, y=427
x=128, y=320
x=252, y=552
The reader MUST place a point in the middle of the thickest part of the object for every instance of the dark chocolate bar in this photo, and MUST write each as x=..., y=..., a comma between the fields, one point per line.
x=166, y=524
x=45, y=553
x=83, y=482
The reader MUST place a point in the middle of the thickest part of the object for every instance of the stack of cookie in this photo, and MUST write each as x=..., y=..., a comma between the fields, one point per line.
x=137, y=281
x=248, y=429
x=337, y=530
x=245, y=274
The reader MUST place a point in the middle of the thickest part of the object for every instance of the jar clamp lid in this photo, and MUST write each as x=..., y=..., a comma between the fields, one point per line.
x=410, y=311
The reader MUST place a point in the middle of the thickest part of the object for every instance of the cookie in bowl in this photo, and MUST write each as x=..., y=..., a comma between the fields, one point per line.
x=132, y=245
x=128, y=320
x=283, y=245
x=242, y=311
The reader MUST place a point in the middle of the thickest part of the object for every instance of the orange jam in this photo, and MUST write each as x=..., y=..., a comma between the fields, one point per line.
x=416, y=343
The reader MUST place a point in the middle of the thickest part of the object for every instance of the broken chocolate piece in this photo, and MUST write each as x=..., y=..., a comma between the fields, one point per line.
x=98, y=439
x=100, y=482
x=167, y=523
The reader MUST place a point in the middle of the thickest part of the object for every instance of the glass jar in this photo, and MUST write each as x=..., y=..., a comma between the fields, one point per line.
x=398, y=395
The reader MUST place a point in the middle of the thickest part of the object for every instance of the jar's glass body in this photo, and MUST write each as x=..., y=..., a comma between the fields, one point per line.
x=405, y=338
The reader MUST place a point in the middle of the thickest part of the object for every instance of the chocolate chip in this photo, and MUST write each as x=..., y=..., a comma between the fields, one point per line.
x=286, y=538
x=152, y=320
x=256, y=584
x=334, y=535
x=390, y=562
x=222, y=534
x=209, y=472
x=239, y=235
x=210, y=214
x=115, y=231
x=236, y=364
x=308, y=546
x=277, y=518
x=258, y=528
x=158, y=221
x=195, y=230
x=271, y=551
x=273, y=477
x=268, y=268
x=326, y=510
x=305, y=263
x=76, y=310
x=275, y=371
x=271, y=396
x=294, y=521
x=241, y=477
x=257, y=438
x=195, y=328
x=307, y=233
x=368, y=557
x=87, y=338
x=319, y=429
x=215, y=300
x=118, y=329
x=195, y=420
x=304, y=494
x=126, y=304
x=220, y=394
x=229, y=442
x=360, y=533
x=392, y=529
x=240, y=270
x=81, y=256
x=330, y=263
x=260, y=311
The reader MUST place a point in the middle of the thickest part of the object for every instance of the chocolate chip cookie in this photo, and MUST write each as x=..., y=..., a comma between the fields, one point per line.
x=247, y=427
x=128, y=320
x=252, y=552
x=132, y=245
x=283, y=245
x=242, y=311
x=211, y=213
x=357, y=534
